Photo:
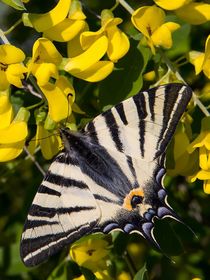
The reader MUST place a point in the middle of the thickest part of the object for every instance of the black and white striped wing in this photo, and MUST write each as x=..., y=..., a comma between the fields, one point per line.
x=109, y=176
x=63, y=210
x=135, y=134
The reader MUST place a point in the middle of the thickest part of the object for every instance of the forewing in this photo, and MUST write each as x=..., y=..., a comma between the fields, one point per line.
x=63, y=210
x=142, y=126
x=135, y=133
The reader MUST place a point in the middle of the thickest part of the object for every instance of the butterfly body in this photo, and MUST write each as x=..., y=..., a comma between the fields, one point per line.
x=109, y=175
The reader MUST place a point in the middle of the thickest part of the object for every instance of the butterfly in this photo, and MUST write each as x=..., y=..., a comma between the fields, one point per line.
x=109, y=175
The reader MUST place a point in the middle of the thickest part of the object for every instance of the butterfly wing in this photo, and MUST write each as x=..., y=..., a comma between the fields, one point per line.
x=109, y=176
x=63, y=210
x=135, y=134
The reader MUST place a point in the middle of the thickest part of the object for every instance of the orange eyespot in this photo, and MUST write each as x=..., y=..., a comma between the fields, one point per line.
x=134, y=198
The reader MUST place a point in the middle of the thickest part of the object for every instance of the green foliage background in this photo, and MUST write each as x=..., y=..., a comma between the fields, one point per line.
x=20, y=178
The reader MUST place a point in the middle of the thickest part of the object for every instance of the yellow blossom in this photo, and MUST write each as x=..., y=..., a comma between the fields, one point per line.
x=50, y=143
x=171, y=5
x=124, y=276
x=181, y=162
x=149, y=20
x=201, y=61
x=44, y=62
x=88, y=66
x=60, y=97
x=6, y=110
x=13, y=136
x=194, y=13
x=118, y=43
x=67, y=29
x=202, y=143
x=42, y=22
x=90, y=253
x=11, y=69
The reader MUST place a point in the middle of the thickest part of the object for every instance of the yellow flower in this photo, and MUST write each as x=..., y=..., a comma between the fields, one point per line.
x=44, y=62
x=203, y=139
x=194, y=13
x=184, y=163
x=11, y=69
x=88, y=66
x=13, y=133
x=118, y=43
x=202, y=142
x=124, y=276
x=50, y=143
x=149, y=20
x=42, y=22
x=60, y=97
x=68, y=28
x=102, y=275
x=171, y=5
x=201, y=61
x=90, y=253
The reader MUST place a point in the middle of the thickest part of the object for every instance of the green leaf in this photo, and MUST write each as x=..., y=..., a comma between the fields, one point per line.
x=141, y=274
x=181, y=42
x=126, y=80
x=16, y=4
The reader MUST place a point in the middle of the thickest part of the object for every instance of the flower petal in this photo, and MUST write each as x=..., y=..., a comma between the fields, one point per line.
x=162, y=35
x=42, y=22
x=45, y=51
x=197, y=59
x=15, y=74
x=206, y=64
x=118, y=43
x=65, y=30
x=57, y=98
x=11, y=151
x=16, y=132
x=147, y=19
x=171, y=5
x=97, y=72
x=88, y=58
x=10, y=54
x=6, y=110
x=206, y=186
x=4, y=83
x=44, y=72
x=203, y=159
x=74, y=47
x=87, y=38
x=194, y=13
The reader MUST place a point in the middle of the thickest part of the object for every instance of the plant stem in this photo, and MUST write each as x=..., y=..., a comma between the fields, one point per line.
x=130, y=264
x=3, y=37
x=34, y=161
x=126, y=6
x=13, y=27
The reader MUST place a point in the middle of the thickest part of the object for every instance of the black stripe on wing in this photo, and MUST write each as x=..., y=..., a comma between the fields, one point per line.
x=45, y=190
x=114, y=130
x=63, y=181
x=121, y=112
x=36, y=250
x=171, y=117
x=40, y=211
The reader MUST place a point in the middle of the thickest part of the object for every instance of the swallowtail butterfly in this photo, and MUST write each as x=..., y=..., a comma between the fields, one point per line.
x=109, y=175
